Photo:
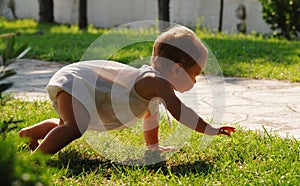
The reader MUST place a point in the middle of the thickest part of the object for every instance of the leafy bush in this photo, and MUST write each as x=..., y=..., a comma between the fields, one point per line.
x=15, y=168
x=9, y=55
x=20, y=168
x=283, y=16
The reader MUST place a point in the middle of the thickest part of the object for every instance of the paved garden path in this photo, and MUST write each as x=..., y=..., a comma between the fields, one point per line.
x=250, y=103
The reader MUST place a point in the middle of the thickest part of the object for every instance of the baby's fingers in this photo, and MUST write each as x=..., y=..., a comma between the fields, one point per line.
x=167, y=149
x=226, y=130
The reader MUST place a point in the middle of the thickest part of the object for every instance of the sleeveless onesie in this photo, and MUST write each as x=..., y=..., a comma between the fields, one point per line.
x=106, y=90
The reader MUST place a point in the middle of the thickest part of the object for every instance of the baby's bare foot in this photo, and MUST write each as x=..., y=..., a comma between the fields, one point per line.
x=162, y=148
x=32, y=143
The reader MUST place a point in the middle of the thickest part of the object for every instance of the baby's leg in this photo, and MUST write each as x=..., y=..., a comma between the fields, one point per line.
x=38, y=131
x=75, y=120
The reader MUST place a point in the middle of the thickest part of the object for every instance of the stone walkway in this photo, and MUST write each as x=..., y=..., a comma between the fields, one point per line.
x=250, y=103
x=31, y=78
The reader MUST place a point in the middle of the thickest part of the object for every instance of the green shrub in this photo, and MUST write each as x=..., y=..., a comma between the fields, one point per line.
x=6, y=162
x=19, y=167
x=7, y=56
x=16, y=168
x=283, y=16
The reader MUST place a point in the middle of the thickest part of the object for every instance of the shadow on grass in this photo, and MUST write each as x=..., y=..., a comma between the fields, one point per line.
x=197, y=167
x=76, y=163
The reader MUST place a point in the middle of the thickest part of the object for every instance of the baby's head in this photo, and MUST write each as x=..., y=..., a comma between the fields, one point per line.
x=179, y=46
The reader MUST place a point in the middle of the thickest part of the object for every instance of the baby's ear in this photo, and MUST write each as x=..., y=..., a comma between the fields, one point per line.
x=176, y=68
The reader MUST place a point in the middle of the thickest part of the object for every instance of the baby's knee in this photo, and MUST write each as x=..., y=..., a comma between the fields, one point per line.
x=53, y=120
x=74, y=131
x=22, y=133
x=77, y=133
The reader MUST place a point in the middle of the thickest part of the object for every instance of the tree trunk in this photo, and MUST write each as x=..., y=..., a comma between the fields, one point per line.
x=163, y=14
x=46, y=11
x=221, y=15
x=82, y=14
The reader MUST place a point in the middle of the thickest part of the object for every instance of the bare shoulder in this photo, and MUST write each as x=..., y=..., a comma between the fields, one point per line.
x=150, y=87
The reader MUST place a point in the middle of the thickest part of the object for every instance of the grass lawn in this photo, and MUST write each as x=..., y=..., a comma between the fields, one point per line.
x=251, y=56
x=246, y=158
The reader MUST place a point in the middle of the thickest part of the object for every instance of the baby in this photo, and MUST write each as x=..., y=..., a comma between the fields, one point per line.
x=107, y=95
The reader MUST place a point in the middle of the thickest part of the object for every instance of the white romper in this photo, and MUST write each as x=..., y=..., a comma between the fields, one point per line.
x=106, y=89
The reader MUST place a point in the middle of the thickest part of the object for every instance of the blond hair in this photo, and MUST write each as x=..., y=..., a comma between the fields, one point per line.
x=179, y=45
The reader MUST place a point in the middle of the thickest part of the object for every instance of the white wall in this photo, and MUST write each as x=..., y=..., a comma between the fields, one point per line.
x=191, y=12
x=66, y=11
x=254, y=19
x=111, y=13
x=27, y=9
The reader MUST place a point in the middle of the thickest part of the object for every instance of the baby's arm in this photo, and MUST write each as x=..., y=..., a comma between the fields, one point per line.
x=186, y=115
x=191, y=119
x=151, y=133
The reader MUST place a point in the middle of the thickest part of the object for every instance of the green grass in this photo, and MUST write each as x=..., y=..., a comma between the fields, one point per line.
x=250, y=56
x=257, y=57
x=246, y=158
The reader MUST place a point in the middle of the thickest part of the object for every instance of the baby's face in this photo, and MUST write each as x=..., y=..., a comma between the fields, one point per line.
x=185, y=79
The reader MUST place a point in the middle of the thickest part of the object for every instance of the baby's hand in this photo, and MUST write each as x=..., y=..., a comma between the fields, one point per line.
x=161, y=148
x=226, y=130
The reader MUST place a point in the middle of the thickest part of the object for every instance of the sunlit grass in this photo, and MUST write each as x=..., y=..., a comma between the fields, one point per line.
x=65, y=29
x=248, y=157
x=18, y=24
